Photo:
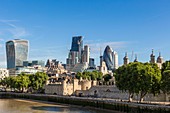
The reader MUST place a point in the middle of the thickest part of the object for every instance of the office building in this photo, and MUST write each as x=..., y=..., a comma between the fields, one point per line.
x=86, y=54
x=91, y=63
x=108, y=58
x=16, y=52
x=77, y=46
x=78, y=57
x=34, y=63
x=115, y=60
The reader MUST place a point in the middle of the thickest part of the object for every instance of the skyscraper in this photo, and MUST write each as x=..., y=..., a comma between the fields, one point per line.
x=91, y=63
x=78, y=57
x=111, y=58
x=86, y=54
x=115, y=60
x=77, y=43
x=16, y=52
x=77, y=46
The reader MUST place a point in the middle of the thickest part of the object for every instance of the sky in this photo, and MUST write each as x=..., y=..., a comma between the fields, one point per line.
x=132, y=26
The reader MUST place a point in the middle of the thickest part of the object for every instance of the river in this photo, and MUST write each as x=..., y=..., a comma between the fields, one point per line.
x=27, y=106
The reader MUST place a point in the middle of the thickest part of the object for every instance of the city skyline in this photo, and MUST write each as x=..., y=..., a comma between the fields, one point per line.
x=125, y=26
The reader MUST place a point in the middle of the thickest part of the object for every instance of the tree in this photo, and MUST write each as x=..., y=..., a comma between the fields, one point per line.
x=23, y=81
x=78, y=75
x=165, y=81
x=107, y=77
x=94, y=75
x=38, y=80
x=165, y=66
x=138, y=78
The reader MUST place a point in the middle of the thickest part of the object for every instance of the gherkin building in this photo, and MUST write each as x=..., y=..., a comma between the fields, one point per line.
x=108, y=58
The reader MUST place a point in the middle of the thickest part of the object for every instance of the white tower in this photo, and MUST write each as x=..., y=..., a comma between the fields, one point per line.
x=115, y=60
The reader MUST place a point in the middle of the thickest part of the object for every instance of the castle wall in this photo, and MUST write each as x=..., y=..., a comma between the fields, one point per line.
x=68, y=89
x=85, y=85
x=105, y=91
x=54, y=89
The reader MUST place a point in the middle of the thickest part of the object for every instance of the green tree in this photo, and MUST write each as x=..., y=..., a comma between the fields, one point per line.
x=165, y=66
x=138, y=78
x=94, y=75
x=107, y=77
x=165, y=81
x=78, y=75
x=23, y=81
x=38, y=80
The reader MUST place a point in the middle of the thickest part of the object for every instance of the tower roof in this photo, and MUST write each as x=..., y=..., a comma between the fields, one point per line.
x=136, y=59
x=126, y=56
x=152, y=55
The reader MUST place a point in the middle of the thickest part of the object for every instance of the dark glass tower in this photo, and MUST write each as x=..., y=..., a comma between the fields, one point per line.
x=16, y=52
x=108, y=58
x=77, y=43
x=77, y=46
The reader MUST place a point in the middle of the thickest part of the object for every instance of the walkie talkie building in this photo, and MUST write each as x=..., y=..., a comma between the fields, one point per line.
x=16, y=52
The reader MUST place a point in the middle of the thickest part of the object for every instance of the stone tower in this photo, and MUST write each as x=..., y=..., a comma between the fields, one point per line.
x=160, y=58
x=126, y=59
x=152, y=57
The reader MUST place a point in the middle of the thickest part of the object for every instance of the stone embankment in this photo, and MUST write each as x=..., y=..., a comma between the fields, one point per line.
x=101, y=103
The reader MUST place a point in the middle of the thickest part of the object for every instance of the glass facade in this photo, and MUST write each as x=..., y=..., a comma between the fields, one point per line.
x=16, y=52
x=108, y=58
x=77, y=43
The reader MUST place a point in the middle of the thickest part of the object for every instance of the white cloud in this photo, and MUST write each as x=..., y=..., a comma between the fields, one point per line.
x=13, y=29
x=1, y=40
x=97, y=46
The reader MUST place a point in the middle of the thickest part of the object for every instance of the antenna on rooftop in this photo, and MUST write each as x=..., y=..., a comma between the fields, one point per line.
x=131, y=59
x=100, y=51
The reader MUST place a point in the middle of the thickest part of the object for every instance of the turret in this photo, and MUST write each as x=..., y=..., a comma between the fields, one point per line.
x=126, y=59
x=136, y=59
x=152, y=57
x=160, y=58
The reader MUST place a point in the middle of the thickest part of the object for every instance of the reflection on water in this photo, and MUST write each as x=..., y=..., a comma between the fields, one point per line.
x=25, y=106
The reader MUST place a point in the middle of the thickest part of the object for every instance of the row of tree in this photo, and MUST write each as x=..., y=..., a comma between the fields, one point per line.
x=143, y=78
x=25, y=82
x=94, y=75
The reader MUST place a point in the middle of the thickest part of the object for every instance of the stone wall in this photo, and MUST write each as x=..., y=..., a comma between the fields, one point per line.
x=105, y=91
x=54, y=89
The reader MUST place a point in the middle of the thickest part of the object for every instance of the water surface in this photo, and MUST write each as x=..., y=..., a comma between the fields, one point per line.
x=27, y=106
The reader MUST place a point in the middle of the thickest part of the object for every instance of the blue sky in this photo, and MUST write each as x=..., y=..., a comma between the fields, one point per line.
x=125, y=25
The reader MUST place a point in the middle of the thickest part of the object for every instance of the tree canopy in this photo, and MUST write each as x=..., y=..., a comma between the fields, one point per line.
x=25, y=81
x=138, y=78
x=94, y=75
x=165, y=81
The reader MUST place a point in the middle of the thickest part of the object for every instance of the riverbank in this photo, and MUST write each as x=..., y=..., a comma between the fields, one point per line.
x=64, y=105
x=98, y=103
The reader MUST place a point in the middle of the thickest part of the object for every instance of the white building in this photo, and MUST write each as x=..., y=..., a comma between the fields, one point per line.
x=3, y=73
x=115, y=60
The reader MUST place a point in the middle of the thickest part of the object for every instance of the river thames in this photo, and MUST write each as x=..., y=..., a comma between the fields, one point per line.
x=27, y=106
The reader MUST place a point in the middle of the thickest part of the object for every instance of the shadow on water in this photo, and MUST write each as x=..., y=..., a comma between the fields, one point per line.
x=48, y=108
x=64, y=109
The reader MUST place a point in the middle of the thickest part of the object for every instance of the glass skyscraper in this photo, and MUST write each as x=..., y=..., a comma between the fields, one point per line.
x=77, y=43
x=108, y=58
x=16, y=52
x=111, y=58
